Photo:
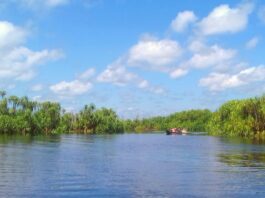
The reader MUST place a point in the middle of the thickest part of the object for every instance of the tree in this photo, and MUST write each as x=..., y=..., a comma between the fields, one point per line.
x=48, y=117
x=14, y=101
x=2, y=93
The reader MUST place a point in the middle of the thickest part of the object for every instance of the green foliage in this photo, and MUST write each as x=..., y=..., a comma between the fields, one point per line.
x=47, y=118
x=66, y=123
x=107, y=121
x=239, y=118
x=192, y=120
x=24, y=117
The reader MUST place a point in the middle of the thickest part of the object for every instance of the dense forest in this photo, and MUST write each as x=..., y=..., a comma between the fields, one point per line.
x=22, y=116
x=19, y=115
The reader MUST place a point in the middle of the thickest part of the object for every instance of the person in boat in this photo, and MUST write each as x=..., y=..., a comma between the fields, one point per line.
x=177, y=131
x=174, y=130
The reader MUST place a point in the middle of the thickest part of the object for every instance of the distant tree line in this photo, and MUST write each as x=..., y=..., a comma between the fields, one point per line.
x=244, y=118
x=192, y=120
x=19, y=115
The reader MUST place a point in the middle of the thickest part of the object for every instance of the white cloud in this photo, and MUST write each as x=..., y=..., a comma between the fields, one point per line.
x=224, y=19
x=252, y=43
x=204, y=56
x=218, y=58
x=72, y=88
x=154, y=53
x=87, y=74
x=149, y=53
x=81, y=85
x=211, y=56
x=11, y=35
x=223, y=81
x=220, y=81
x=117, y=74
x=197, y=46
x=230, y=67
x=182, y=21
x=178, y=73
x=253, y=74
x=17, y=62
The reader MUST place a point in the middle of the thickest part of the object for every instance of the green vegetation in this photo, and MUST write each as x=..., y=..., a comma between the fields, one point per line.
x=244, y=118
x=244, y=159
x=21, y=116
x=192, y=120
x=24, y=117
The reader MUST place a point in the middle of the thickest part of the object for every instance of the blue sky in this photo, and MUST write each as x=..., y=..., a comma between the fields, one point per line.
x=141, y=58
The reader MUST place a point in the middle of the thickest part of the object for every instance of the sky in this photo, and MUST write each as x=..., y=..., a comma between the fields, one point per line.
x=140, y=57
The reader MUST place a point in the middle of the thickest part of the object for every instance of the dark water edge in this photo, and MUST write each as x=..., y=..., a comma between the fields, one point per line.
x=131, y=165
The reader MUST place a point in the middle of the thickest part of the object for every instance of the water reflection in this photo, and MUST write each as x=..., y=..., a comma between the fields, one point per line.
x=256, y=160
x=130, y=165
x=237, y=140
x=13, y=139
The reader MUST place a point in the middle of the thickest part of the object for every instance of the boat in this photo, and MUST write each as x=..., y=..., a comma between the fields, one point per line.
x=176, y=131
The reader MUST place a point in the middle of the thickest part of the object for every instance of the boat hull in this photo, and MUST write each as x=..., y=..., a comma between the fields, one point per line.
x=173, y=133
x=176, y=131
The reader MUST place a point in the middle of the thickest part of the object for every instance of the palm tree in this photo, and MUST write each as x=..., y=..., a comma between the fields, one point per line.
x=14, y=100
x=3, y=106
x=24, y=101
x=34, y=105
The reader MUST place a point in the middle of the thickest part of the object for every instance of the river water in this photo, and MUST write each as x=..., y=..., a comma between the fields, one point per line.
x=131, y=165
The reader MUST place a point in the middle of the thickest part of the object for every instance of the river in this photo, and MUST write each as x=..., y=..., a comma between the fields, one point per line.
x=131, y=165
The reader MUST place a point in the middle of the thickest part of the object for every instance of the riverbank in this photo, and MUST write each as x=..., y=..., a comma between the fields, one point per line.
x=19, y=115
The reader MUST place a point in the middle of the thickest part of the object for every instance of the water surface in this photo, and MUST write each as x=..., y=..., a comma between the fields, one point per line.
x=131, y=165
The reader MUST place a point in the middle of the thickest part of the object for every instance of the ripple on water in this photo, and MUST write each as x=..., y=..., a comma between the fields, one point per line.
x=148, y=165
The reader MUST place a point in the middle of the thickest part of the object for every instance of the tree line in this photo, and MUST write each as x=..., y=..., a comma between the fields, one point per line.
x=192, y=120
x=241, y=118
x=20, y=115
